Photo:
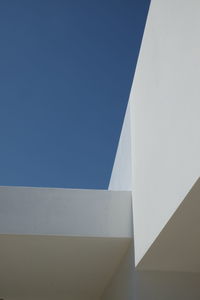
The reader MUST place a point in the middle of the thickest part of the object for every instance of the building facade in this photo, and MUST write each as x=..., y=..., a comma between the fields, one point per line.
x=140, y=239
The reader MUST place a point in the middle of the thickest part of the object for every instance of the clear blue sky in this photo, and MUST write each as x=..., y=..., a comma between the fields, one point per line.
x=66, y=68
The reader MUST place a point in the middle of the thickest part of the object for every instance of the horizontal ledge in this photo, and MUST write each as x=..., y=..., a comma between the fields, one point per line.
x=67, y=212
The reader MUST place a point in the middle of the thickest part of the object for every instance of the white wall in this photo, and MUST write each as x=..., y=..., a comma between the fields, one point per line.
x=122, y=285
x=59, y=266
x=129, y=284
x=121, y=178
x=65, y=212
x=164, y=108
x=177, y=247
x=167, y=285
x=164, y=140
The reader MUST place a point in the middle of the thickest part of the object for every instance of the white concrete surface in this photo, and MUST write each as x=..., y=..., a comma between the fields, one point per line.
x=165, y=110
x=61, y=243
x=59, y=267
x=155, y=285
x=162, y=131
x=122, y=286
x=164, y=107
x=121, y=178
x=76, y=244
x=65, y=212
x=130, y=284
x=177, y=247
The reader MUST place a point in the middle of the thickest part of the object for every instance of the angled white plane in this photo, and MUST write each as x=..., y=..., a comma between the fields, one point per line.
x=140, y=239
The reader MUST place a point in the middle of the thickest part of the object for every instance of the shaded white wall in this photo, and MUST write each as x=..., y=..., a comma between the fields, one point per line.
x=155, y=285
x=122, y=285
x=59, y=266
x=177, y=247
x=129, y=284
